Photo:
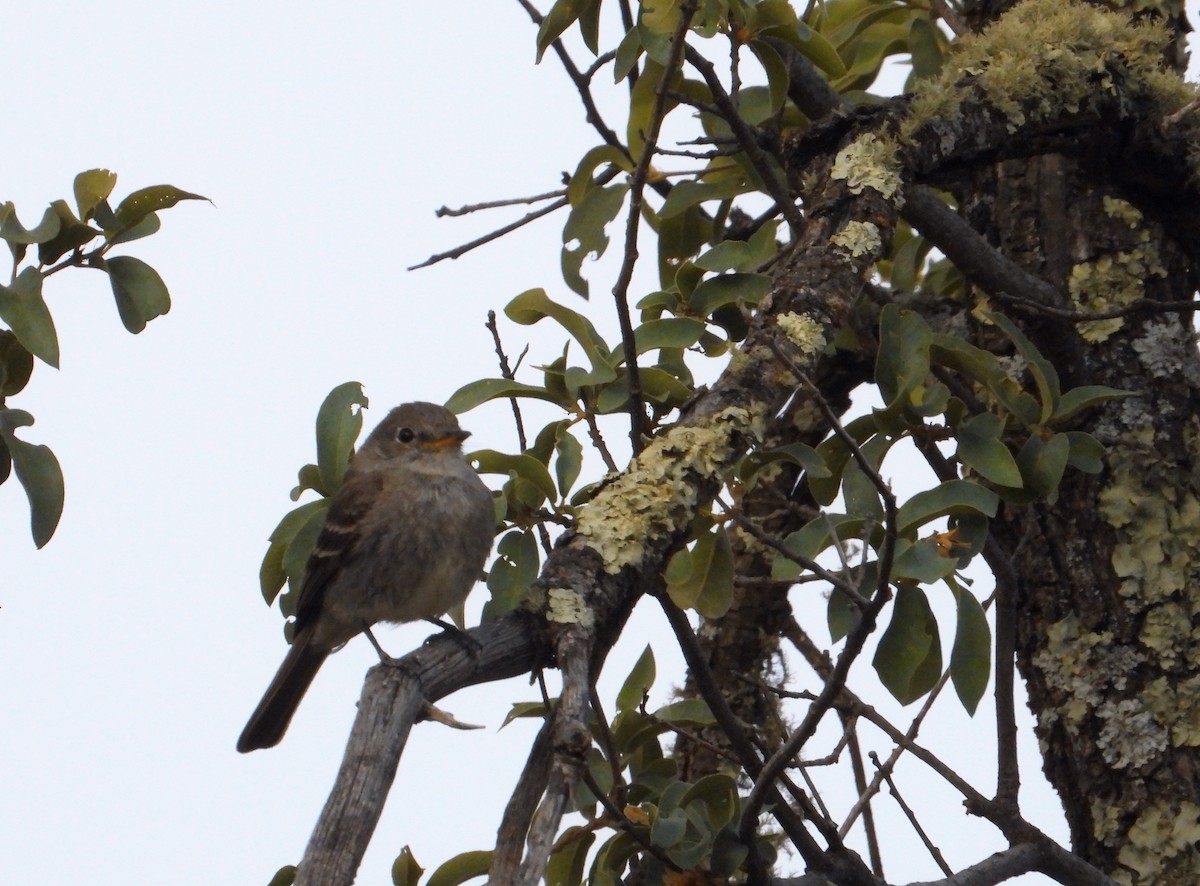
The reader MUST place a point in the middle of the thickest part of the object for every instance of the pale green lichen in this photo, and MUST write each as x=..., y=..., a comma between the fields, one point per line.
x=870, y=162
x=1160, y=847
x=805, y=332
x=1130, y=737
x=1180, y=702
x=1160, y=349
x=859, y=238
x=656, y=497
x=1113, y=280
x=1157, y=513
x=1084, y=666
x=1047, y=58
x=1115, y=207
x=567, y=606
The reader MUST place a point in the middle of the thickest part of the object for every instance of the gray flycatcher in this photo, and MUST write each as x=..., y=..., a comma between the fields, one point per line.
x=405, y=538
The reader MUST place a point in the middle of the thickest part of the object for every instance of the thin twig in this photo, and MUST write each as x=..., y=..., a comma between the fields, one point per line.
x=460, y=251
x=637, y=192
x=755, y=154
x=912, y=819
x=598, y=441
x=582, y=83
x=446, y=211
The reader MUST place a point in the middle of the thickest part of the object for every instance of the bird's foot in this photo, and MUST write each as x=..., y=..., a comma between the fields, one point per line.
x=465, y=640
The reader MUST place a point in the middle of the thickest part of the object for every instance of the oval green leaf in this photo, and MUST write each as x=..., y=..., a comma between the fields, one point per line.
x=140, y=293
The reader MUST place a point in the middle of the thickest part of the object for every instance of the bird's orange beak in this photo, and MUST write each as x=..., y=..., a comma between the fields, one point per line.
x=454, y=439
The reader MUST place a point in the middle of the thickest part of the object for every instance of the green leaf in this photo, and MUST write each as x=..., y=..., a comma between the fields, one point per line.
x=718, y=794
x=524, y=710
x=813, y=46
x=134, y=208
x=902, y=364
x=835, y=454
x=728, y=289
x=511, y=573
x=140, y=293
x=561, y=16
x=691, y=711
x=951, y=497
x=795, y=453
x=474, y=393
x=971, y=658
x=909, y=657
x=526, y=467
x=12, y=232
x=147, y=226
x=568, y=463
x=814, y=537
x=629, y=50
x=24, y=310
x=405, y=870
x=584, y=234
x=271, y=573
x=304, y=525
x=776, y=71
x=1078, y=399
x=462, y=868
x=638, y=683
x=921, y=561
x=582, y=182
x=92, y=187
x=1044, y=374
x=38, y=471
x=1043, y=462
x=702, y=578
x=285, y=876
x=16, y=365
x=339, y=422
x=1087, y=453
x=690, y=193
x=980, y=448
x=566, y=863
x=668, y=829
x=72, y=234
x=669, y=332
x=533, y=305
x=841, y=614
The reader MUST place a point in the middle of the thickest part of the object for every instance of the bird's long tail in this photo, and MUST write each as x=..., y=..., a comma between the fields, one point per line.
x=270, y=719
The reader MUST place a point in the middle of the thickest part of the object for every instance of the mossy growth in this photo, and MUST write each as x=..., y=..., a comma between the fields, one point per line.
x=1045, y=59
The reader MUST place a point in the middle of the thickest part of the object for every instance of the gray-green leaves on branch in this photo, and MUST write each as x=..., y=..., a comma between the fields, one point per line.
x=60, y=237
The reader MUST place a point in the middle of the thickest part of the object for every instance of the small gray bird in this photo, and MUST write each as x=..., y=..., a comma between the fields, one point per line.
x=406, y=537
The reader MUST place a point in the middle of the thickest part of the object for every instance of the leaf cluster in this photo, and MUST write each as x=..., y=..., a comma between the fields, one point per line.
x=62, y=238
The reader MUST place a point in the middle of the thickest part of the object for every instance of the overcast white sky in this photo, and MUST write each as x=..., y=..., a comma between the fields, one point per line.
x=134, y=646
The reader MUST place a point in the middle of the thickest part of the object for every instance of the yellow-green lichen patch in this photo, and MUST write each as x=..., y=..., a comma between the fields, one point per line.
x=1155, y=508
x=656, y=496
x=1167, y=631
x=869, y=162
x=805, y=332
x=1115, y=207
x=859, y=238
x=1114, y=280
x=1130, y=736
x=566, y=606
x=1045, y=59
x=1084, y=666
x=1160, y=847
x=1178, y=704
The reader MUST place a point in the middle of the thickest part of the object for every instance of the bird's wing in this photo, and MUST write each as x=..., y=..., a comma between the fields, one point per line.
x=342, y=529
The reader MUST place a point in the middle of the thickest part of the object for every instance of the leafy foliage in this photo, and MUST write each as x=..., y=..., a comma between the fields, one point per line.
x=60, y=237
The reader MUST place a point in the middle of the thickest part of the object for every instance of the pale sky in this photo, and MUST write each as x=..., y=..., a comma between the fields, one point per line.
x=135, y=645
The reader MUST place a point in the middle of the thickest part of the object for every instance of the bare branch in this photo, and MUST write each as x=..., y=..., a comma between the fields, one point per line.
x=460, y=251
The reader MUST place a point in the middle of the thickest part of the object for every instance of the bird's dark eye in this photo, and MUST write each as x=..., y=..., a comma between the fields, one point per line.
x=405, y=435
